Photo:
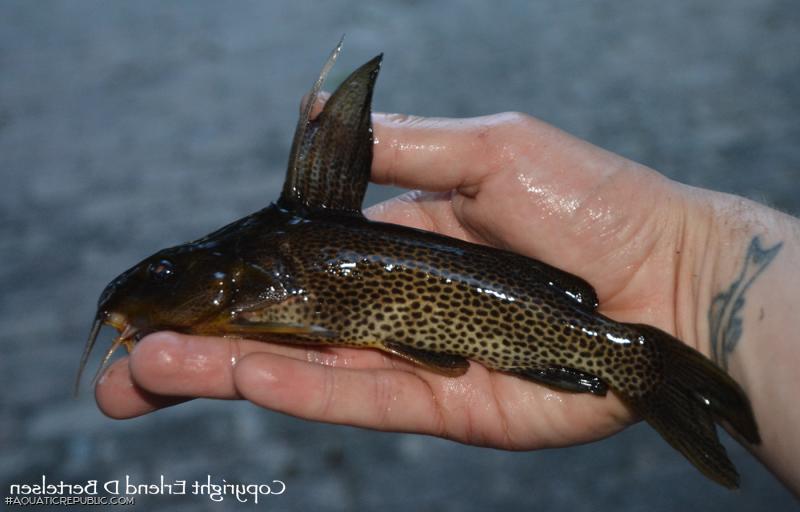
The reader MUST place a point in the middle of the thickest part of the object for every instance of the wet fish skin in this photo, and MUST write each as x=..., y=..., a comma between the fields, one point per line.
x=312, y=269
x=372, y=283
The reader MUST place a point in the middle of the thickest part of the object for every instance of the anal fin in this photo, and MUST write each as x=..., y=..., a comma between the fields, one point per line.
x=444, y=364
x=561, y=377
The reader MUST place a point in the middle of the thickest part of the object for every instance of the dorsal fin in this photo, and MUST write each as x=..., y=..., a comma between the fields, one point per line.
x=331, y=157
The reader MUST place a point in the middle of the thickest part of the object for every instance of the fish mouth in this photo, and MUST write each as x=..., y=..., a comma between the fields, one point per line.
x=128, y=336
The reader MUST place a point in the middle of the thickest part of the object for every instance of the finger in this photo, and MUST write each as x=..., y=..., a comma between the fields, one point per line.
x=430, y=211
x=380, y=398
x=119, y=397
x=438, y=154
x=168, y=363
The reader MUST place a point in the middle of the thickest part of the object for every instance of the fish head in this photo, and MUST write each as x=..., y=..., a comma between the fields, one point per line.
x=179, y=288
x=175, y=288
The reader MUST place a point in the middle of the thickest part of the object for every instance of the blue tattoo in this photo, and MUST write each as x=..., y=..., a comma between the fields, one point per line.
x=724, y=317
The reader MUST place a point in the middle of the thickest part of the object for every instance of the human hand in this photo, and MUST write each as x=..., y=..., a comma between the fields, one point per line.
x=505, y=180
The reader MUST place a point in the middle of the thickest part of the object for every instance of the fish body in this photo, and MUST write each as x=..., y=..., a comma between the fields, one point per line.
x=311, y=269
x=359, y=283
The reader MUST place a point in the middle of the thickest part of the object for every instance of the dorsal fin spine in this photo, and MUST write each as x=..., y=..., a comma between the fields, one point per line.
x=331, y=156
x=311, y=100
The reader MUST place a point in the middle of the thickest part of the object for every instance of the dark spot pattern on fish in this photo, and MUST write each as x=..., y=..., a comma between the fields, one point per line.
x=312, y=269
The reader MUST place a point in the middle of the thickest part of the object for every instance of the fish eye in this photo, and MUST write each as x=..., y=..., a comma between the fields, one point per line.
x=161, y=270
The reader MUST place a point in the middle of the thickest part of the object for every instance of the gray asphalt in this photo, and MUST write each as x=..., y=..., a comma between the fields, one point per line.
x=126, y=127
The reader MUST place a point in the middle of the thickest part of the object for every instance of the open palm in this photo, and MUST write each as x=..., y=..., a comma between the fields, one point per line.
x=505, y=180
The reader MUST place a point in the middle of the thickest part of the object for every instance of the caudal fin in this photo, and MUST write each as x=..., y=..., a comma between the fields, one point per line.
x=693, y=395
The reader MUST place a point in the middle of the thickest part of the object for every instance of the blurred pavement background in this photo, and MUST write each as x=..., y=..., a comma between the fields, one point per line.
x=127, y=127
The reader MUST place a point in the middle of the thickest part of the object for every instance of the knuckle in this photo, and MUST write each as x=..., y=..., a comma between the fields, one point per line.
x=439, y=424
x=515, y=120
x=384, y=395
x=498, y=139
x=327, y=396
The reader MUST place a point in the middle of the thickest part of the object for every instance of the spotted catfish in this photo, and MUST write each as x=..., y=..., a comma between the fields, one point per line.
x=312, y=269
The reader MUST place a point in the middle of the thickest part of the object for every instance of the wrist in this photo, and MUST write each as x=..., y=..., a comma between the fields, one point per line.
x=745, y=256
x=744, y=316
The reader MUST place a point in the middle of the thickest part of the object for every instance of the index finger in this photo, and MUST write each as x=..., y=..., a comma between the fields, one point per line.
x=438, y=154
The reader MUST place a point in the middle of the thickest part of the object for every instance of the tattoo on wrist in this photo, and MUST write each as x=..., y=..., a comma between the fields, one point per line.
x=724, y=319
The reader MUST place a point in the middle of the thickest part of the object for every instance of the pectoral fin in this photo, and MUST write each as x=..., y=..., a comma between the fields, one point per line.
x=564, y=378
x=331, y=156
x=444, y=364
